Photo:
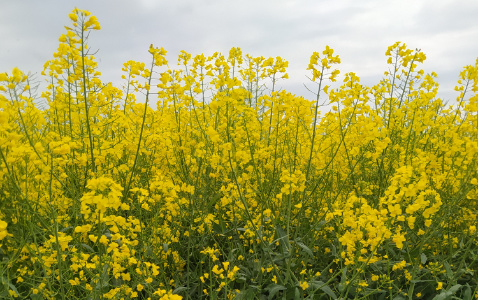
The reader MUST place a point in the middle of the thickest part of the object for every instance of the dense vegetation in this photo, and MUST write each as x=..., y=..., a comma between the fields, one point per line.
x=231, y=187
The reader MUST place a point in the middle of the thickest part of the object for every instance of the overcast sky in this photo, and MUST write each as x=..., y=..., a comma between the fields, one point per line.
x=358, y=30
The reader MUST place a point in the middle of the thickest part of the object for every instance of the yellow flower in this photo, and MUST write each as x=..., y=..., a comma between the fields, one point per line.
x=472, y=229
x=73, y=17
x=13, y=293
x=17, y=75
x=3, y=229
x=233, y=272
x=304, y=285
x=3, y=76
x=363, y=284
x=399, y=239
x=93, y=238
x=104, y=240
x=126, y=276
x=440, y=285
x=216, y=270
x=399, y=265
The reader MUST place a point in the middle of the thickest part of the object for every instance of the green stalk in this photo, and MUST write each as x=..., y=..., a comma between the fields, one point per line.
x=58, y=250
x=85, y=95
x=133, y=169
x=315, y=123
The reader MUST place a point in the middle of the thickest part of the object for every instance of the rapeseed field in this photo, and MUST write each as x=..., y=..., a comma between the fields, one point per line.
x=232, y=188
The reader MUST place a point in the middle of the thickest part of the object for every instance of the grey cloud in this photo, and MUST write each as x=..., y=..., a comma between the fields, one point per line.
x=447, y=16
x=359, y=31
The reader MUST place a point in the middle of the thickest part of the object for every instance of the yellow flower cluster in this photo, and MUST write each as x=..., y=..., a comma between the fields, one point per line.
x=3, y=229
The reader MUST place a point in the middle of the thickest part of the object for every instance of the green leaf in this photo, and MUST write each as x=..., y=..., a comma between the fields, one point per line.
x=218, y=228
x=250, y=293
x=328, y=291
x=324, y=287
x=449, y=272
x=87, y=247
x=423, y=258
x=283, y=237
x=334, y=251
x=180, y=289
x=36, y=297
x=320, y=225
x=66, y=229
x=448, y=293
x=274, y=289
x=305, y=248
x=451, y=291
x=293, y=293
x=3, y=290
x=13, y=288
x=417, y=281
x=344, y=275
x=441, y=296
x=341, y=287
x=104, y=278
x=467, y=293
